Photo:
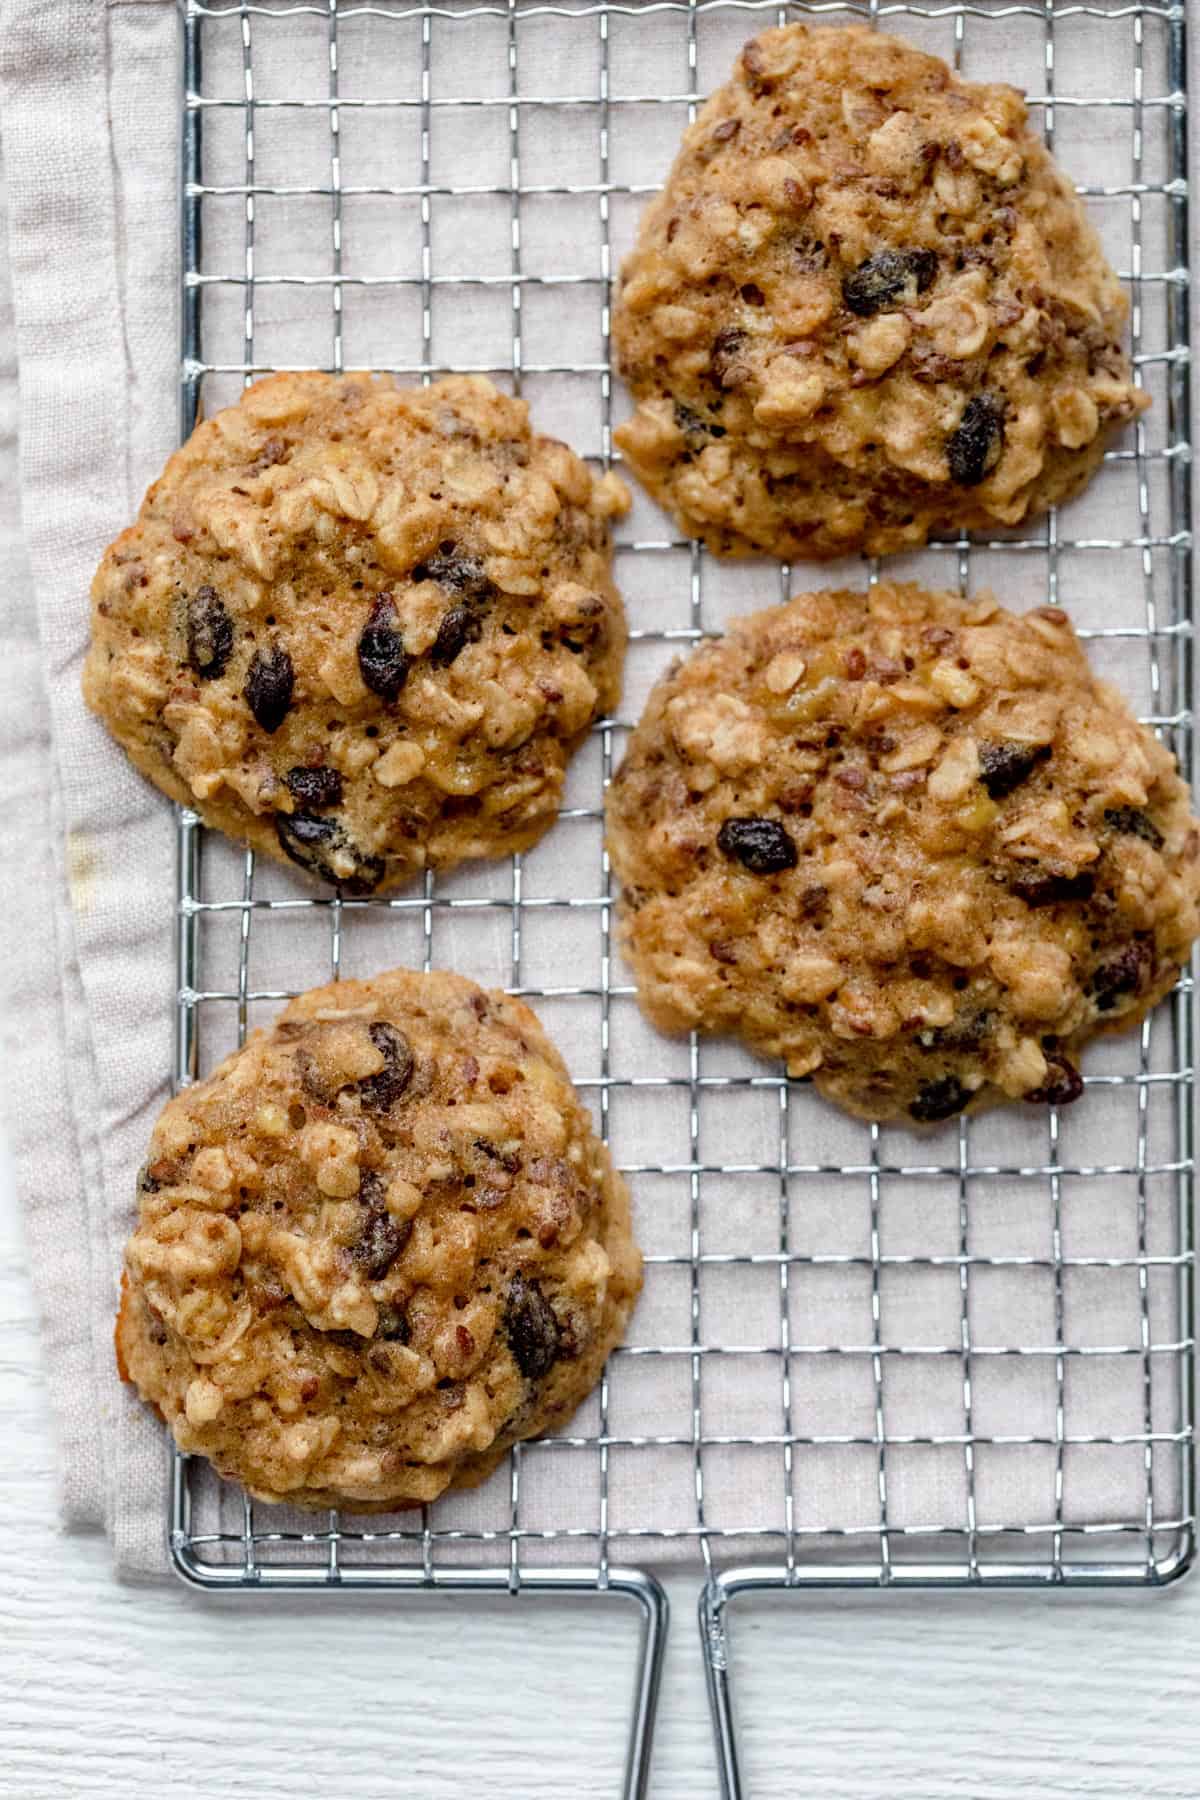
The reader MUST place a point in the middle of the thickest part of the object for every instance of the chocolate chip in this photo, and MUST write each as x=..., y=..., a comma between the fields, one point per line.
x=147, y=1183
x=967, y=1030
x=393, y=1325
x=381, y=1091
x=1002, y=767
x=929, y=365
x=1062, y=1085
x=269, y=683
x=760, y=845
x=311, y=1079
x=459, y=627
x=693, y=427
x=939, y=1099
x=371, y=1190
x=381, y=655
x=508, y=1159
x=814, y=901
x=892, y=277
x=302, y=837
x=380, y=1242
x=728, y=128
x=973, y=447
x=1125, y=973
x=456, y=571
x=377, y=1092
x=728, y=370
x=311, y=842
x=532, y=1328
x=209, y=633
x=1043, y=887
x=315, y=788
x=1131, y=821
x=810, y=255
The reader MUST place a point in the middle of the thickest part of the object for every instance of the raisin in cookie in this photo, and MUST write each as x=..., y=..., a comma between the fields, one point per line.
x=866, y=308
x=375, y=1248
x=909, y=844
x=363, y=626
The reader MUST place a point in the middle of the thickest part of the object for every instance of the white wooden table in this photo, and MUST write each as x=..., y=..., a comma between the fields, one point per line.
x=120, y=1691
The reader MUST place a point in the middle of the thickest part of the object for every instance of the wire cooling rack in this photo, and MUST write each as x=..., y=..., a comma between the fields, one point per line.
x=863, y=1358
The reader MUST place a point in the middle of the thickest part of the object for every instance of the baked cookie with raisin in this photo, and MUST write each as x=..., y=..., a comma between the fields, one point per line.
x=866, y=308
x=362, y=626
x=378, y=1246
x=908, y=843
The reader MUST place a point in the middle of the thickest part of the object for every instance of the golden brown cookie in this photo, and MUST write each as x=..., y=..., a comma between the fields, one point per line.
x=363, y=626
x=376, y=1247
x=908, y=843
x=866, y=308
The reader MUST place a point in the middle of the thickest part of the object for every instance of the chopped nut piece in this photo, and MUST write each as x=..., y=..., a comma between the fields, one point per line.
x=956, y=686
x=784, y=672
x=401, y=763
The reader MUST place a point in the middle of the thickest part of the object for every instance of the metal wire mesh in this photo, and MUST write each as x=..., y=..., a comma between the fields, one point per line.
x=966, y=1280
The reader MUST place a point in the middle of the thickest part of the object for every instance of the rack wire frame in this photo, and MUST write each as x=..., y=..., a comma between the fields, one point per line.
x=1051, y=1552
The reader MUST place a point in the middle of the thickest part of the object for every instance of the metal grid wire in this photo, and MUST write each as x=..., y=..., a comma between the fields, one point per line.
x=971, y=1267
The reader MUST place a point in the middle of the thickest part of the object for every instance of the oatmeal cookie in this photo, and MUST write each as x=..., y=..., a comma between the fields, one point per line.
x=910, y=844
x=376, y=1247
x=363, y=626
x=866, y=308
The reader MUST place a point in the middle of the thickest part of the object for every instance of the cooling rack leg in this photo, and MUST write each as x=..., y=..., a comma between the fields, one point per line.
x=251, y=1574
x=714, y=1649
x=652, y=1599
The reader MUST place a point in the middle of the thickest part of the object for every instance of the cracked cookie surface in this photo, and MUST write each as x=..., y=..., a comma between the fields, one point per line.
x=867, y=307
x=376, y=1247
x=363, y=627
x=910, y=844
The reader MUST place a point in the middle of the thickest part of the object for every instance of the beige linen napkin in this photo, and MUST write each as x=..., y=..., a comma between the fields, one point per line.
x=88, y=123
x=89, y=129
